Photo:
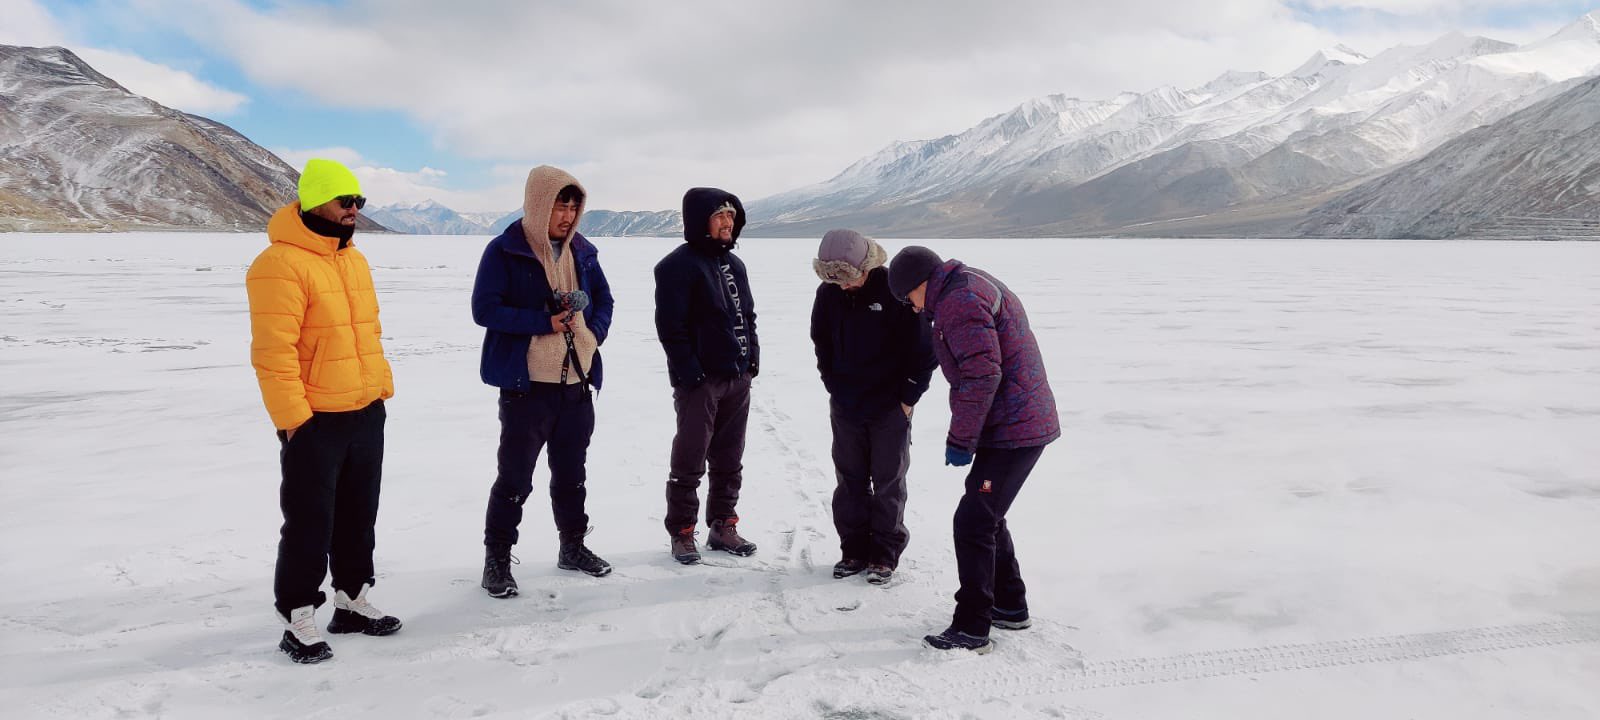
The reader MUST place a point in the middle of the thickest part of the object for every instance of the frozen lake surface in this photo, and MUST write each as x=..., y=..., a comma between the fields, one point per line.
x=1349, y=479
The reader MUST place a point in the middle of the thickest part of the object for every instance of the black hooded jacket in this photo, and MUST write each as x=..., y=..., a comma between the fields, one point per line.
x=873, y=351
x=705, y=314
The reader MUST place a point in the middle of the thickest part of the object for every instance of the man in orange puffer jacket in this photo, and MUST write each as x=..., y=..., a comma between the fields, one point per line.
x=315, y=347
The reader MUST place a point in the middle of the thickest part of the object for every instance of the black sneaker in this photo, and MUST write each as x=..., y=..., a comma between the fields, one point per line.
x=301, y=641
x=497, y=578
x=953, y=639
x=725, y=537
x=683, y=547
x=879, y=574
x=1010, y=619
x=575, y=556
x=847, y=567
x=359, y=616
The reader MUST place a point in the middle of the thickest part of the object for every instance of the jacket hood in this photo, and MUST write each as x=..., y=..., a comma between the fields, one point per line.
x=286, y=227
x=539, y=197
x=939, y=279
x=837, y=271
x=698, y=204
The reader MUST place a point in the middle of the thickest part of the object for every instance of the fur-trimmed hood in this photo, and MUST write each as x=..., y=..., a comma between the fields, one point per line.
x=846, y=256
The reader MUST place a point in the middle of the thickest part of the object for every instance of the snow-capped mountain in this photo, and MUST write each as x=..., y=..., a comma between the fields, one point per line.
x=1166, y=159
x=494, y=222
x=1533, y=174
x=79, y=151
x=427, y=218
x=648, y=223
x=431, y=218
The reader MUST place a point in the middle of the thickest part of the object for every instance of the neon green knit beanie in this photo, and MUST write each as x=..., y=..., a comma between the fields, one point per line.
x=324, y=180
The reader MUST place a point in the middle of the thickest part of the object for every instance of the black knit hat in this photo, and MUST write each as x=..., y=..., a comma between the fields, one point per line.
x=912, y=266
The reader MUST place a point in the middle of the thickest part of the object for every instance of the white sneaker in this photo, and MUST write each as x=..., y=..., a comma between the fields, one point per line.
x=359, y=616
x=301, y=640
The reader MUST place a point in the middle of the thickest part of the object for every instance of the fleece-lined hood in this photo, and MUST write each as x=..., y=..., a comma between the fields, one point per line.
x=538, y=199
x=698, y=205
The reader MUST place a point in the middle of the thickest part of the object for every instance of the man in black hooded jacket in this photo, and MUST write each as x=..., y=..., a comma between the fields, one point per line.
x=706, y=321
x=876, y=358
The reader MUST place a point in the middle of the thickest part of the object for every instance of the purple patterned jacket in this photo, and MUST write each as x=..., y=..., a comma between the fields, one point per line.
x=999, y=395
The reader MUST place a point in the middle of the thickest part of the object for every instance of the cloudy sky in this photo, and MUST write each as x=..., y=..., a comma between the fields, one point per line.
x=455, y=101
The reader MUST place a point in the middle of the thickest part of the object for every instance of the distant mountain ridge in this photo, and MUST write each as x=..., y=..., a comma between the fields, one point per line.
x=1246, y=153
x=432, y=218
x=425, y=218
x=1533, y=175
x=615, y=223
x=80, y=152
x=1436, y=140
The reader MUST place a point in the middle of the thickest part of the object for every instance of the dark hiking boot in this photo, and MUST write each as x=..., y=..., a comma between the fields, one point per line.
x=953, y=639
x=1010, y=619
x=576, y=556
x=847, y=567
x=725, y=537
x=879, y=574
x=359, y=616
x=497, y=578
x=683, y=547
x=301, y=641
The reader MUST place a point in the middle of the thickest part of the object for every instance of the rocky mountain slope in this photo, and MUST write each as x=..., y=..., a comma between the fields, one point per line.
x=80, y=152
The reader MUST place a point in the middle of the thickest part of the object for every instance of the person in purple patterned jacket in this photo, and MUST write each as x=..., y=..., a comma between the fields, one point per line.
x=1002, y=414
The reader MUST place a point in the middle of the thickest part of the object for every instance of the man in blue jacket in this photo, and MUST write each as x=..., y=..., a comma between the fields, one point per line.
x=546, y=305
x=706, y=321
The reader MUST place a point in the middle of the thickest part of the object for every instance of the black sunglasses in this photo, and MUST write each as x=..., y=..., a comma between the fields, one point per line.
x=349, y=201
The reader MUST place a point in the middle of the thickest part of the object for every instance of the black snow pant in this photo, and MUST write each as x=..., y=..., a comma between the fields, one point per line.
x=562, y=417
x=711, y=429
x=332, y=471
x=871, y=454
x=985, y=559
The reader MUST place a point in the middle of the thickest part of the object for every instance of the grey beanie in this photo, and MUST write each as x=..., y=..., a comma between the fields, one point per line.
x=912, y=266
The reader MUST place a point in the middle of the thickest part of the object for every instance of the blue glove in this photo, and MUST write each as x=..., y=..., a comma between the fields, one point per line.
x=957, y=457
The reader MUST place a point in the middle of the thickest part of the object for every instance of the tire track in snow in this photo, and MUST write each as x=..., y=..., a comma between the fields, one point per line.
x=1283, y=658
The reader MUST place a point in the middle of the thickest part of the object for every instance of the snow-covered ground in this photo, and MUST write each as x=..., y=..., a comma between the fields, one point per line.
x=1298, y=479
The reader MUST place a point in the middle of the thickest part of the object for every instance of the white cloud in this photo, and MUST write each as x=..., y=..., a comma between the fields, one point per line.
x=168, y=86
x=390, y=186
x=1420, y=8
x=642, y=100
x=298, y=158
x=28, y=23
x=1521, y=21
x=645, y=100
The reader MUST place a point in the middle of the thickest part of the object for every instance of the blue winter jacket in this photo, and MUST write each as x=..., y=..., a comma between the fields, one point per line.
x=512, y=298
